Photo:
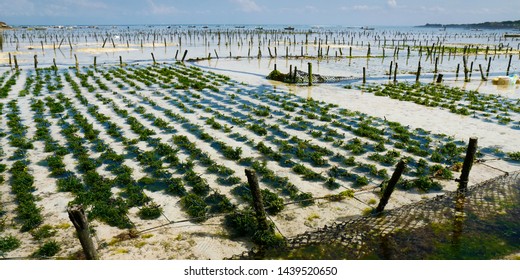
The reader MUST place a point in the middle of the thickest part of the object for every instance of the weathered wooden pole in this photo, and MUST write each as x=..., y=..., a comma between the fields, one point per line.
x=436, y=63
x=509, y=64
x=80, y=222
x=418, y=74
x=121, y=61
x=482, y=73
x=216, y=54
x=184, y=55
x=391, y=186
x=364, y=75
x=258, y=204
x=468, y=163
x=390, y=71
x=489, y=66
x=10, y=62
x=35, y=61
x=76, y=59
x=54, y=64
x=439, y=78
x=15, y=62
x=95, y=62
x=153, y=58
x=309, y=65
x=395, y=73
x=457, y=71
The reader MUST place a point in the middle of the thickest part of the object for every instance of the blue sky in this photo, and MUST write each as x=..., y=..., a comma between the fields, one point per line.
x=335, y=12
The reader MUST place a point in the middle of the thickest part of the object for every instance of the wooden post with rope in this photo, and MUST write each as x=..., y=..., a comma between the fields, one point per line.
x=79, y=220
x=258, y=203
x=391, y=186
x=468, y=163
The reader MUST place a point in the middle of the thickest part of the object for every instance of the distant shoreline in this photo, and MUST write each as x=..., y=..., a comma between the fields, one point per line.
x=483, y=25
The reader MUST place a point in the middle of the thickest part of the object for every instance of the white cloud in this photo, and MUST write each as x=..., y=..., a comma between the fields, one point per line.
x=392, y=3
x=160, y=9
x=247, y=6
x=360, y=8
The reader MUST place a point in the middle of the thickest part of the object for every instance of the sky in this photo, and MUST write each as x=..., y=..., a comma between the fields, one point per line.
x=312, y=12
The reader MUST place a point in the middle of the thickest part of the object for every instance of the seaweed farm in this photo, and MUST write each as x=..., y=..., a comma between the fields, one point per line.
x=160, y=132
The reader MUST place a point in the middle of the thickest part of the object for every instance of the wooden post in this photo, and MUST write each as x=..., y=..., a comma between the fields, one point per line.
x=482, y=73
x=391, y=186
x=10, y=62
x=184, y=55
x=436, y=63
x=176, y=53
x=468, y=163
x=15, y=62
x=364, y=75
x=35, y=61
x=216, y=54
x=121, y=61
x=418, y=74
x=395, y=73
x=95, y=64
x=489, y=66
x=310, y=73
x=457, y=72
x=258, y=204
x=439, y=79
x=76, y=59
x=390, y=71
x=153, y=58
x=80, y=222
x=54, y=64
x=509, y=64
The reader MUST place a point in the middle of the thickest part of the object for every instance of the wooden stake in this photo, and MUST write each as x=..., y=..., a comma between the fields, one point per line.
x=35, y=61
x=509, y=64
x=258, y=204
x=364, y=75
x=395, y=73
x=391, y=186
x=418, y=74
x=489, y=66
x=79, y=220
x=15, y=62
x=95, y=61
x=310, y=73
x=468, y=163
x=184, y=55
x=390, y=71
x=153, y=58
x=482, y=73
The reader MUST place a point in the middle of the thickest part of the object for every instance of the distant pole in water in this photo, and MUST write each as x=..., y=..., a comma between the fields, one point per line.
x=310, y=73
x=184, y=55
x=390, y=71
x=54, y=64
x=35, y=61
x=176, y=53
x=153, y=58
x=15, y=62
x=439, y=79
x=364, y=75
x=468, y=163
x=488, y=67
x=121, y=61
x=418, y=74
x=10, y=62
x=436, y=63
x=389, y=189
x=457, y=71
x=95, y=64
x=482, y=73
x=76, y=59
x=509, y=64
x=395, y=73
